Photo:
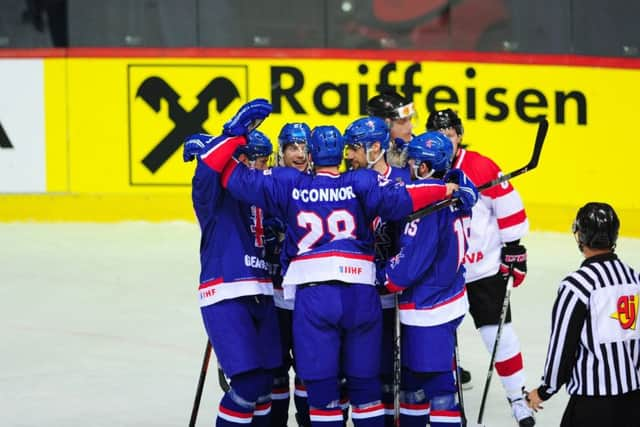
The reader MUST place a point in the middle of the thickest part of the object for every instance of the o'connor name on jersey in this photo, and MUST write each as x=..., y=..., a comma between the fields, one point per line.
x=323, y=194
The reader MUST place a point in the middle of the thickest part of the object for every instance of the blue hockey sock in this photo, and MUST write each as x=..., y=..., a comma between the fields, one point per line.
x=233, y=411
x=301, y=404
x=262, y=413
x=368, y=415
x=365, y=394
x=388, y=402
x=326, y=417
x=445, y=411
x=280, y=402
x=414, y=409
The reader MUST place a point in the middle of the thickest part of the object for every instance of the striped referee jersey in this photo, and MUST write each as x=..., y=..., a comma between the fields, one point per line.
x=595, y=337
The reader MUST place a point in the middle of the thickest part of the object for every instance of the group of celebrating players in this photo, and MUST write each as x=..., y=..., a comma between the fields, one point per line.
x=303, y=266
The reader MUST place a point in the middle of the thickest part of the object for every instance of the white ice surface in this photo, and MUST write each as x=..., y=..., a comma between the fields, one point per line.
x=99, y=325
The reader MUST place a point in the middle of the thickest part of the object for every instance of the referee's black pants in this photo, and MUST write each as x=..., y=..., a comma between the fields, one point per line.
x=603, y=411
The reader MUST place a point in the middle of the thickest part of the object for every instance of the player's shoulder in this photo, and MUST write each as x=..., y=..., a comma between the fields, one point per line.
x=476, y=166
x=285, y=173
x=362, y=175
x=476, y=159
x=399, y=174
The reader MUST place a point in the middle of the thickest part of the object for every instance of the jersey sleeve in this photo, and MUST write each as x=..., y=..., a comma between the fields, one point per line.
x=206, y=190
x=393, y=201
x=256, y=187
x=506, y=202
x=219, y=151
x=567, y=320
x=418, y=245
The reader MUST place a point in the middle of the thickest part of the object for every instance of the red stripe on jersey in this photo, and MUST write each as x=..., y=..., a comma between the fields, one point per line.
x=509, y=367
x=218, y=156
x=227, y=171
x=210, y=283
x=392, y=287
x=412, y=305
x=511, y=220
x=335, y=253
x=425, y=194
x=220, y=280
x=263, y=406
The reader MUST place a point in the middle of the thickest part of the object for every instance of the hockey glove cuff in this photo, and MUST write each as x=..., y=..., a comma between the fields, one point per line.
x=248, y=117
x=194, y=145
x=467, y=194
x=514, y=262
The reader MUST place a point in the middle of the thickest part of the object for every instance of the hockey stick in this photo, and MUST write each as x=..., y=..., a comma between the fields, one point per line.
x=543, y=127
x=456, y=354
x=222, y=380
x=396, y=366
x=203, y=375
x=503, y=316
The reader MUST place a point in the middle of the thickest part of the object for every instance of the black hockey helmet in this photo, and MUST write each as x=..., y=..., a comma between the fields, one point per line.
x=390, y=105
x=597, y=226
x=443, y=119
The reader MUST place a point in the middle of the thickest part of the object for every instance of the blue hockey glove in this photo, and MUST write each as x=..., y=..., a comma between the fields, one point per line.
x=248, y=117
x=194, y=145
x=467, y=194
x=273, y=235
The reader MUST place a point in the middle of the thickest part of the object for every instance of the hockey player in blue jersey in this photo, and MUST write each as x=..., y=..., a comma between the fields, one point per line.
x=428, y=271
x=328, y=257
x=367, y=141
x=292, y=146
x=292, y=152
x=235, y=290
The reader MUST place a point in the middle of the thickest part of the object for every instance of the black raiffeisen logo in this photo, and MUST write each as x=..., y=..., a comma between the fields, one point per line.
x=167, y=103
x=4, y=139
x=155, y=89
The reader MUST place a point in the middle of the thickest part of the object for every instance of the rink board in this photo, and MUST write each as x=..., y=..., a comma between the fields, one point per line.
x=94, y=133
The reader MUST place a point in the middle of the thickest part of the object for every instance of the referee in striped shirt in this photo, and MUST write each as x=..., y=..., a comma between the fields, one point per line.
x=594, y=346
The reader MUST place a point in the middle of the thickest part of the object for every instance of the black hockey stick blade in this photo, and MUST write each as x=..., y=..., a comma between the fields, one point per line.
x=543, y=127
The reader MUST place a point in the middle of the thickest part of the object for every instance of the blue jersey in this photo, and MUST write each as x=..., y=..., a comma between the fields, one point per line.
x=429, y=270
x=387, y=236
x=231, y=244
x=327, y=217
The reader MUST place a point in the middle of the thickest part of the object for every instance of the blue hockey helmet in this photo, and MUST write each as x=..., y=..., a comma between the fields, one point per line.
x=367, y=130
x=326, y=146
x=293, y=133
x=432, y=148
x=258, y=145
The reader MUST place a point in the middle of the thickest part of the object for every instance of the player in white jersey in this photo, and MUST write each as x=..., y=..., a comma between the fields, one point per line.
x=498, y=223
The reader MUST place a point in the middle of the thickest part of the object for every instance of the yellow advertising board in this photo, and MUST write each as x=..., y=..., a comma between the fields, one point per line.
x=126, y=117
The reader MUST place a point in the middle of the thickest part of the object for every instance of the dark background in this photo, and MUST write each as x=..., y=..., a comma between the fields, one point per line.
x=584, y=27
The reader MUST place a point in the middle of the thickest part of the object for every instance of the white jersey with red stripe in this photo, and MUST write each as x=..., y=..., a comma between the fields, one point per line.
x=498, y=217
